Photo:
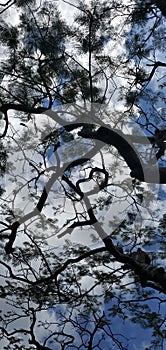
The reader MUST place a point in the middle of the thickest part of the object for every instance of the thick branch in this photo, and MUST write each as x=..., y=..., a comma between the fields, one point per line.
x=145, y=271
x=139, y=170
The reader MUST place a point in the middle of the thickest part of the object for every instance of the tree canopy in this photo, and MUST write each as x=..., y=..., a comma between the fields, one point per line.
x=83, y=175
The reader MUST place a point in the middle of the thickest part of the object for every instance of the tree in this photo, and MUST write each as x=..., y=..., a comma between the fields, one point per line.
x=71, y=159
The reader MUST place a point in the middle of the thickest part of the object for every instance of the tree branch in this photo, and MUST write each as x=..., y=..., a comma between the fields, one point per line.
x=161, y=5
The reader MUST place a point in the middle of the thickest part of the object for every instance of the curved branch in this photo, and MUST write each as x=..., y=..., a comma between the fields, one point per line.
x=117, y=139
x=139, y=170
x=41, y=202
x=104, y=135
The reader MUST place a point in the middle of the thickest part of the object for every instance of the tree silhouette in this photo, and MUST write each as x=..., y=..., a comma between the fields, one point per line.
x=82, y=154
